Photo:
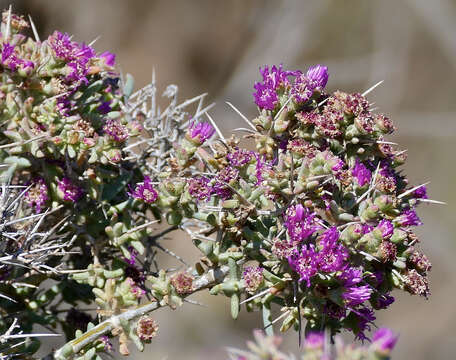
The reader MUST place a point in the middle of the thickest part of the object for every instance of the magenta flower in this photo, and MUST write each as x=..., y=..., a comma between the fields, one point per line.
x=365, y=317
x=37, y=195
x=116, y=130
x=201, y=131
x=304, y=262
x=300, y=223
x=7, y=51
x=361, y=173
x=199, y=188
x=332, y=255
x=104, y=107
x=77, y=56
x=145, y=191
x=225, y=176
x=384, y=301
x=386, y=228
x=305, y=84
x=265, y=97
x=303, y=89
x=384, y=339
x=318, y=75
x=70, y=191
x=351, y=276
x=253, y=277
x=409, y=218
x=356, y=295
x=266, y=92
x=421, y=192
x=261, y=167
x=240, y=157
x=314, y=340
x=9, y=57
x=109, y=58
x=277, y=77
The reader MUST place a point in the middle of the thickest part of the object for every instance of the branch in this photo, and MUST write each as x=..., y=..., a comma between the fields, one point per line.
x=213, y=277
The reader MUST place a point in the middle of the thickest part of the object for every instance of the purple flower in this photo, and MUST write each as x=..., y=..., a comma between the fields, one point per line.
x=7, y=51
x=9, y=57
x=62, y=45
x=199, y=188
x=384, y=340
x=109, y=58
x=145, y=191
x=260, y=167
x=85, y=52
x=277, y=77
x=253, y=277
x=104, y=108
x=68, y=50
x=304, y=262
x=106, y=343
x=135, y=290
x=421, y=192
x=356, y=295
x=365, y=316
x=384, y=301
x=133, y=255
x=332, y=255
x=366, y=228
x=116, y=130
x=338, y=166
x=305, y=84
x=303, y=89
x=266, y=95
x=37, y=195
x=70, y=191
x=77, y=56
x=201, y=131
x=225, y=176
x=361, y=173
x=386, y=228
x=318, y=74
x=314, y=340
x=300, y=223
x=239, y=157
x=408, y=218
x=351, y=276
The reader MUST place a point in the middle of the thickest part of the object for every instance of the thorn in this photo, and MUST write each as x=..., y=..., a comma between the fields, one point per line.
x=8, y=24
x=283, y=107
x=411, y=190
x=219, y=133
x=94, y=40
x=372, y=88
x=35, y=33
x=277, y=319
x=432, y=201
x=255, y=296
x=242, y=116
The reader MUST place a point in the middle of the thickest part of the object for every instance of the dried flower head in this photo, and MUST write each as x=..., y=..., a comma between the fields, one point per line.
x=146, y=328
x=182, y=282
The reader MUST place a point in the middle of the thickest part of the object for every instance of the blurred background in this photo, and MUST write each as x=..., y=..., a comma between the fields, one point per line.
x=217, y=47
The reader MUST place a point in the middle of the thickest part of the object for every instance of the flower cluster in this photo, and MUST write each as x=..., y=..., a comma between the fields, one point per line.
x=316, y=348
x=276, y=84
x=317, y=219
x=320, y=206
